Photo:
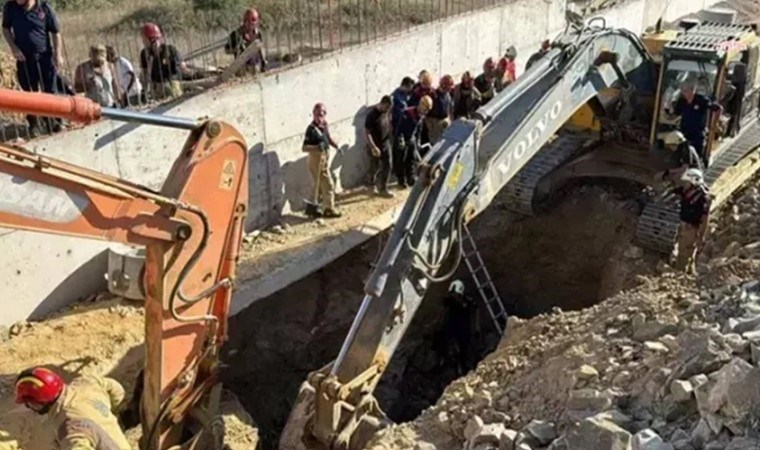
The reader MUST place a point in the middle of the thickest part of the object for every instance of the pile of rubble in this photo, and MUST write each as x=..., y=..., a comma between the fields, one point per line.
x=671, y=365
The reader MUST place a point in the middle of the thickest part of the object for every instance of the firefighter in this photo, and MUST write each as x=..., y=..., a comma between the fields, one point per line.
x=413, y=140
x=460, y=325
x=82, y=412
x=486, y=82
x=694, y=110
x=466, y=97
x=316, y=144
x=695, y=201
x=440, y=116
x=249, y=33
x=546, y=45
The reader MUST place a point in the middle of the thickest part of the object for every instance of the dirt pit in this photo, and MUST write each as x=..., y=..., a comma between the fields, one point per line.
x=575, y=255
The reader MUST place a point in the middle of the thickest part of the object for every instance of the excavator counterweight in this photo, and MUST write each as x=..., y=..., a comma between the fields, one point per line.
x=189, y=270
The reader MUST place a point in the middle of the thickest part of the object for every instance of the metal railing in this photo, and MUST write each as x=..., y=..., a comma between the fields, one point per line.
x=294, y=32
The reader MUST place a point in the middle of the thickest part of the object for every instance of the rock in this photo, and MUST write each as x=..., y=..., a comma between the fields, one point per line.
x=507, y=440
x=731, y=250
x=588, y=400
x=559, y=444
x=616, y=417
x=649, y=440
x=732, y=374
x=17, y=328
x=443, y=418
x=752, y=336
x=586, y=373
x=278, y=229
x=482, y=400
x=755, y=351
x=701, y=434
x=543, y=432
x=598, y=434
x=523, y=446
x=699, y=353
x=741, y=443
x=250, y=237
x=650, y=331
x=657, y=347
x=473, y=427
x=683, y=444
x=487, y=435
x=681, y=391
x=743, y=395
x=698, y=380
x=5, y=333
x=737, y=344
x=422, y=445
x=740, y=326
x=670, y=342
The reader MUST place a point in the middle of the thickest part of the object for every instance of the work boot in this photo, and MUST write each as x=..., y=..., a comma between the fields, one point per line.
x=331, y=213
x=385, y=193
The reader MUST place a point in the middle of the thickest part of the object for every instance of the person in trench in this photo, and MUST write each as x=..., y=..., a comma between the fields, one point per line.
x=458, y=342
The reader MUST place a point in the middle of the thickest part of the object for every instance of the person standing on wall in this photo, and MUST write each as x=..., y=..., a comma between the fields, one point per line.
x=466, y=98
x=401, y=98
x=506, y=69
x=249, y=33
x=379, y=135
x=485, y=83
x=316, y=144
x=95, y=78
x=413, y=136
x=439, y=117
x=130, y=88
x=31, y=29
x=161, y=64
x=424, y=87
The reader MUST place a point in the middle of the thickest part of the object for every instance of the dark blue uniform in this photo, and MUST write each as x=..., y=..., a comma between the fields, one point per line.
x=694, y=121
x=31, y=34
x=442, y=105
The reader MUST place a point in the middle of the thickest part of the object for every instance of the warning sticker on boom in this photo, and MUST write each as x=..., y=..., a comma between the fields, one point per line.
x=228, y=175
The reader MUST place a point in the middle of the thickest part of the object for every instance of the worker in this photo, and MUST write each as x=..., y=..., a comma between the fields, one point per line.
x=685, y=156
x=694, y=109
x=695, y=199
x=460, y=325
x=413, y=140
x=439, y=118
x=95, y=78
x=424, y=87
x=130, y=88
x=161, y=64
x=485, y=83
x=249, y=33
x=316, y=144
x=379, y=135
x=466, y=97
x=32, y=31
x=401, y=98
x=506, y=69
x=82, y=412
x=546, y=45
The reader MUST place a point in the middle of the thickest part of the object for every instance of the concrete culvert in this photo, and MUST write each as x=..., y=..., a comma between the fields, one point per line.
x=573, y=256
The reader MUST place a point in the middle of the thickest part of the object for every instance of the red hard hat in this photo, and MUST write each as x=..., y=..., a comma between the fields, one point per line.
x=319, y=108
x=251, y=15
x=151, y=31
x=38, y=385
x=447, y=82
x=489, y=64
x=503, y=64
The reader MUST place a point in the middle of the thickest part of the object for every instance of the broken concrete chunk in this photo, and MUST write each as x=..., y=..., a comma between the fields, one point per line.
x=670, y=342
x=488, y=435
x=740, y=326
x=743, y=395
x=652, y=330
x=741, y=443
x=681, y=390
x=752, y=336
x=683, y=444
x=507, y=440
x=588, y=399
x=701, y=434
x=473, y=427
x=755, y=351
x=737, y=344
x=698, y=380
x=586, y=373
x=523, y=446
x=422, y=445
x=699, y=354
x=543, y=432
x=730, y=375
x=598, y=434
x=649, y=440
x=657, y=347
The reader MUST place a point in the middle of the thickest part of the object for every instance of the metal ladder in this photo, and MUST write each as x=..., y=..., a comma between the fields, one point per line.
x=483, y=281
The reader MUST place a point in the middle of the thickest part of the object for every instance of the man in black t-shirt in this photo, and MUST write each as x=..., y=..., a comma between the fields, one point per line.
x=695, y=201
x=379, y=134
x=32, y=32
x=694, y=109
x=161, y=64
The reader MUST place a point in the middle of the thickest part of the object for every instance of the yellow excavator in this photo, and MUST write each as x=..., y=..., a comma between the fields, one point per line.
x=594, y=107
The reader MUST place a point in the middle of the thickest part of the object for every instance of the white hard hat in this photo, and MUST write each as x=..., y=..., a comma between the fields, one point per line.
x=674, y=138
x=511, y=52
x=693, y=176
x=457, y=286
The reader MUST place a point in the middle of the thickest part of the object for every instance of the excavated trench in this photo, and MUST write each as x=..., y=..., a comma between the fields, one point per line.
x=573, y=256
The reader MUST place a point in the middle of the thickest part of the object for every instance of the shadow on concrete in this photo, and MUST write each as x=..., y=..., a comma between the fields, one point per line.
x=89, y=274
x=265, y=187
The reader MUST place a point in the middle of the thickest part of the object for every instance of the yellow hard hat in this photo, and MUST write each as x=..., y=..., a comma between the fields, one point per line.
x=426, y=103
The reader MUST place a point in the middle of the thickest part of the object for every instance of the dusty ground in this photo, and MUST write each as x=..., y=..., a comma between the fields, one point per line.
x=622, y=358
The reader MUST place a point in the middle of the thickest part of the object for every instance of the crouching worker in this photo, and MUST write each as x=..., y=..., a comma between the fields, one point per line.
x=695, y=214
x=82, y=412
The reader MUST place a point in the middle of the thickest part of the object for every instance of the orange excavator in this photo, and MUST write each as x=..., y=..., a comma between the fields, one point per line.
x=192, y=231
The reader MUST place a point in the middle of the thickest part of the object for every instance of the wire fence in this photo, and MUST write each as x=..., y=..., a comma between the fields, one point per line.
x=293, y=32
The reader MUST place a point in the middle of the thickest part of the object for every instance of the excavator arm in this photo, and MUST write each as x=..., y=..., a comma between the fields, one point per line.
x=458, y=179
x=192, y=231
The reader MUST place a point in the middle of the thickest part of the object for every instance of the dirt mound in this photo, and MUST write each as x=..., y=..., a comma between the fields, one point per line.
x=670, y=360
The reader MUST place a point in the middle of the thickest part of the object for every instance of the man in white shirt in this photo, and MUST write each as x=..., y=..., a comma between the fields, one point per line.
x=95, y=79
x=130, y=88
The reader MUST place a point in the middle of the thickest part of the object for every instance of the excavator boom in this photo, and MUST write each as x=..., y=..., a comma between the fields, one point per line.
x=458, y=179
x=189, y=270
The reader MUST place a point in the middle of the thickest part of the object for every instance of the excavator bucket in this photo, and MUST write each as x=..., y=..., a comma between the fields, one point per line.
x=303, y=409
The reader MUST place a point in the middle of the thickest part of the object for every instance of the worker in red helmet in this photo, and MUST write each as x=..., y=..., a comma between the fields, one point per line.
x=466, y=97
x=316, y=144
x=440, y=116
x=486, y=81
x=546, y=45
x=161, y=64
x=249, y=33
x=81, y=413
x=506, y=70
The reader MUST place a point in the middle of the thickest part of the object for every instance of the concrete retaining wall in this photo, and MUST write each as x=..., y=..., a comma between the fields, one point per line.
x=41, y=273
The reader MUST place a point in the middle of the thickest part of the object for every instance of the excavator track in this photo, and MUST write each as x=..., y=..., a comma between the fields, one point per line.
x=522, y=188
x=658, y=225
